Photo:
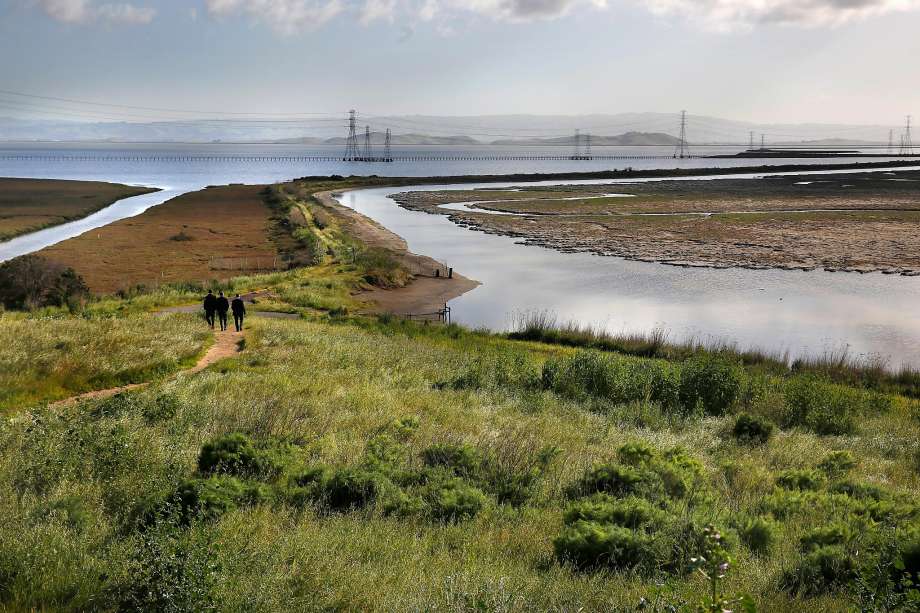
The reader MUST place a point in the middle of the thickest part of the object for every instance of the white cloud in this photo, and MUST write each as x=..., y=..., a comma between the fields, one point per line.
x=732, y=14
x=86, y=11
x=285, y=16
x=292, y=16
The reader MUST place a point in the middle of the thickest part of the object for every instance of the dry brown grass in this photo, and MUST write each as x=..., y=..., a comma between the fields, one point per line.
x=27, y=205
x=221, y=222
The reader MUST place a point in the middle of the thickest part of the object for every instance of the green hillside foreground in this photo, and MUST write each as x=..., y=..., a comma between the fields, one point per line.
x=345, y=462
x=348, y=463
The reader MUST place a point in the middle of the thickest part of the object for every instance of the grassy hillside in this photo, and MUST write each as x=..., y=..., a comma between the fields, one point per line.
x=344, y=462
x=341, y=464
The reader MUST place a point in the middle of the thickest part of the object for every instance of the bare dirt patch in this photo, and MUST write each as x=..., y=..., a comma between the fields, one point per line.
x=215, y=233
x=28, y=205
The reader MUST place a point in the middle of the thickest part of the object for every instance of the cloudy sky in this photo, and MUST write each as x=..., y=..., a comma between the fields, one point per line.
x=852, y=61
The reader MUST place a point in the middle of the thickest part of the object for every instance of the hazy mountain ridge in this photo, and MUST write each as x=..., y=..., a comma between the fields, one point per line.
x=627, y=129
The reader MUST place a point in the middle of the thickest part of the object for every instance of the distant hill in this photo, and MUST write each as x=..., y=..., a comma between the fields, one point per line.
x=634, y=129
x=832, y=142
x=377, y=138
x=634, y=139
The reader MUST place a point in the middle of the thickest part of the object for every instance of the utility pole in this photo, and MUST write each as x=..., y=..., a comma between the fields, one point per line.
x=682, y=150
x=762, y=141
x=751, y=142
x=588, y=146
x=351, y=144
x=367, y=143
x=387, y=152
x=577, y=152
x=890, y=142
x=908, y=144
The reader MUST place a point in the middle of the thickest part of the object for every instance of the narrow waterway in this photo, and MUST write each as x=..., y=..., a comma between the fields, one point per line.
x=797, y=312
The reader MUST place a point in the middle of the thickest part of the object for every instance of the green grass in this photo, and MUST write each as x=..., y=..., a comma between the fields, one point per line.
x=316, y=399
x=44, y=359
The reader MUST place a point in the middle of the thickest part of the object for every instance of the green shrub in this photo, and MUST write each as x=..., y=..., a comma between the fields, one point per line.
x=453, y=500
x=213, y=497
x=589, y=545
x=758, y=534
x=237, y=454
x=710, y=383
x=826, y=408
x=351, y=488
x=461, y=459
x=800, y=480
x=633, y=513
x=618, y=480
x=822, y=570
x=163, y=408
x=505, y=368
x=859, y=491
x=907, y=567
x=825, y=536
x=642, y=472
x=752, y=430
x=591, y=374
x=837, y=464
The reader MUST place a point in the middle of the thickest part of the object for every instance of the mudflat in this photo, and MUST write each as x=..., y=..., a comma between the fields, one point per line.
x=28, y=205
x=214, y=233
x=840, y=222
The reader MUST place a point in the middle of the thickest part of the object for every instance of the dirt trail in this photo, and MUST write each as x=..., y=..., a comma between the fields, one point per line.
x=226, y=345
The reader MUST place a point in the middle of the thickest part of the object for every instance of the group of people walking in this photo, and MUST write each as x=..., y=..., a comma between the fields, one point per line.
x=219, y=305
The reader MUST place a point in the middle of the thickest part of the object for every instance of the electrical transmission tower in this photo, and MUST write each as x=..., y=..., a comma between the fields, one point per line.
x=576, y=154
x=751, y=139
x=588, y=146
x=763, y=138
x=908, y=143
x=387, y=150
x=351, y=144
x=683, y=149
x=367, y=144
x=890, y=142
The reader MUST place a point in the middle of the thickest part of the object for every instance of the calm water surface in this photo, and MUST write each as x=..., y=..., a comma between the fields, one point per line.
x=803, y=312
x=799, y=312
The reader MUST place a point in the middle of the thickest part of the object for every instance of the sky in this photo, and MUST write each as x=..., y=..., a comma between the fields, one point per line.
x=834, y=61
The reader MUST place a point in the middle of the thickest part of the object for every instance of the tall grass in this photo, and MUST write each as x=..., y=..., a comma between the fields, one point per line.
x=109, y=506
x=45, y=359
x=839, y=366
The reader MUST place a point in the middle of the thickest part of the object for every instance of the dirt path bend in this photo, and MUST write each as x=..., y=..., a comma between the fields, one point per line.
x=426, y=293
x=226, y=345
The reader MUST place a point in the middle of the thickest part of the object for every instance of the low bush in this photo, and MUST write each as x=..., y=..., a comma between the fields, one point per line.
x=758, y=534
x=237, y=454
x=351, y=488
x=453, y=500
x=710, y=383
x=500, y=369
x=826, y=408
x=590, y=374
x=752, y=430
x=589, y=545
x=800, y=480
x=837, y=464
x=642, y=472
x=461, y=459
x=833, y=534
x=31, y=281
x=822, y=570
x=633, y=513
x=213, y=497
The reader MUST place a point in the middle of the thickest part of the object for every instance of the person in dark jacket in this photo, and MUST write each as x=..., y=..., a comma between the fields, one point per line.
x=223, y=305
x=210, y=305
x=239, y=311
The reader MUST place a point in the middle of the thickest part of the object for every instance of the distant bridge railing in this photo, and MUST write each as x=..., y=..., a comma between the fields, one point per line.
x=329, y=158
